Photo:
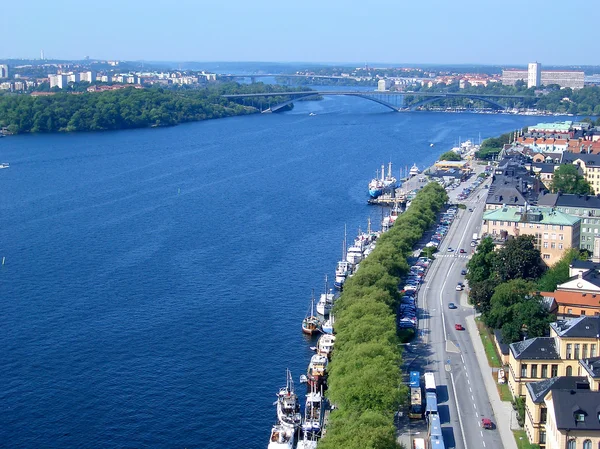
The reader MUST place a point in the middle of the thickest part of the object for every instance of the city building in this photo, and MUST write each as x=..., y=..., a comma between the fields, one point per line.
x=589, y=165
x=534, y=76
x=60, y=80
x=555, y=232
x=384, y=84
x=3, y=71
x=570, y=342
x=512, y=184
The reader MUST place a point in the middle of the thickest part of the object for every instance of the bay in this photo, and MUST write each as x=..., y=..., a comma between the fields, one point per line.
x=155, y=280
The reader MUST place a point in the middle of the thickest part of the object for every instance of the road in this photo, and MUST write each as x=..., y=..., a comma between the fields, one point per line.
x=448, y=352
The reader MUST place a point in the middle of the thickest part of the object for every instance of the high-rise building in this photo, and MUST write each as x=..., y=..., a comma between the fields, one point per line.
x=534, y=74
x=3, y=71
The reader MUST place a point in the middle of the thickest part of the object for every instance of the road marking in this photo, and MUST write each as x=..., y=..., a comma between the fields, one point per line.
x=483, y=441
x=463, y=359
x=462, y=429
x=473, y=398
x=481, y=432
x=470, y=389
x=474, y=406
x=466, y=373
x=468, y=381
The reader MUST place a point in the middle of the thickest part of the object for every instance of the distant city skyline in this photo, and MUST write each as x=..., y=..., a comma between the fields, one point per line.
x=440, y=32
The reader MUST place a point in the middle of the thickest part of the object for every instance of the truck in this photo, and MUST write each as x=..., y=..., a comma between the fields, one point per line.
x=416, y=400
x=475, y=237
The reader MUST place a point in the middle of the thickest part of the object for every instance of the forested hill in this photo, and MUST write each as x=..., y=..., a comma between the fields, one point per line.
x=124, y=108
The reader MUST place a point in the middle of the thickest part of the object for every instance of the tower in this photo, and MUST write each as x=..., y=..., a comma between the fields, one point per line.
x=42, y=55
x=534, y=74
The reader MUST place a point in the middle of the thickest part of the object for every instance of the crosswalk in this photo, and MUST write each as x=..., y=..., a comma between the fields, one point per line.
x=457, y=256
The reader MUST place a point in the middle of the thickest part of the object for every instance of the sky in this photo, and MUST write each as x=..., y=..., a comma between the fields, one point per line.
x=387, y=31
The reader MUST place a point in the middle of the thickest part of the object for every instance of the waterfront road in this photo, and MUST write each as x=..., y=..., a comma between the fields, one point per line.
x=448, y=352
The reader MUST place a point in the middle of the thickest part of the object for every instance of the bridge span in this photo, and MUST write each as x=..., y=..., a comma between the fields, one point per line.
x=388, y=99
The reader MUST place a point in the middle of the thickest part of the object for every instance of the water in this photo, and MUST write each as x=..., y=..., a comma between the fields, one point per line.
x=155, y=280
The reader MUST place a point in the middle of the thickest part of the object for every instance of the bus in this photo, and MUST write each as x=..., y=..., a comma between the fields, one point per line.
x=434, y=434
x=429, y=383
x=430, y=404
x=416, y=400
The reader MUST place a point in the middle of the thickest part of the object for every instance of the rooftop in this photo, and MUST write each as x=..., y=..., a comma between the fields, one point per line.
x=538, y=390
x=592, y=366
x=539, y=348
x=577, y=409
x=582, y=327
x=541, y=215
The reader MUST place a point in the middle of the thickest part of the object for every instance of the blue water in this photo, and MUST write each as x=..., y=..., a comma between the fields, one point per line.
x=155, y=280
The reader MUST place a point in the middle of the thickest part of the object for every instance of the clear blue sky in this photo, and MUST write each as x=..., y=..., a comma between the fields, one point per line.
x=430, y=31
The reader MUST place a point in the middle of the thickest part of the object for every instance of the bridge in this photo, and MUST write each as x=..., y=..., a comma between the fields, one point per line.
x=391, y=100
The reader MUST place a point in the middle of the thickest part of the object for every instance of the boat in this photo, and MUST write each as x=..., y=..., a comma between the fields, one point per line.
x=327, y=326
x=414, y=171
x=4, y=165
x=288, y=407
x=326, y=300
x=341, y=273
x=312, y=114
x=313, y=412
x=378, y=186
x=281, y=438
x=317, y=370
x=325, y=344
x=308, y=441
x=311, y=323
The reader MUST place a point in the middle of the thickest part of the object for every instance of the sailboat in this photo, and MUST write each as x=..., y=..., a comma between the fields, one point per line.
x=343, y=267
x=311, y=323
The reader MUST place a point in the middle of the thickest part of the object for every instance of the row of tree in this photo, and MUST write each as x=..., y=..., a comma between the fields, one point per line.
x=364, y=378
x=127, y=108
x=505, y=286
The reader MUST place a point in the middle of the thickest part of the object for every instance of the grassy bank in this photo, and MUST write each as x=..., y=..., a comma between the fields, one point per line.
x=365, y=379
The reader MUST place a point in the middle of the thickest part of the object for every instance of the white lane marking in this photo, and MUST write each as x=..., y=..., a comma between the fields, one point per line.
x=481, y=432
x=462, y=429
x=467, y=374
x=483, y=441
x=473, y=398
x=470, y=389
x=474, y=406
x=468, y=382
x=462, y=358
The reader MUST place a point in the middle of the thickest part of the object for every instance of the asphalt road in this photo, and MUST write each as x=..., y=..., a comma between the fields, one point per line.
x=449, y=353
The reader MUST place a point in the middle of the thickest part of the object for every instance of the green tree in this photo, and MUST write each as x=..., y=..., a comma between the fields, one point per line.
x=481, y=293
x=568, y=180
x=480, y=266
x=518, y=259
x=558, y=273
x=450, y=156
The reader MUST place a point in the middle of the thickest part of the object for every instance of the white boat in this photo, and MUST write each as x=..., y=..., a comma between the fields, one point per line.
x=414, y=170
x=343, y=267
x=281, y=438
x=312, y=114
x=354, y=254
x=313, y=412
x=317, y=371
x=308, y=441
x=326, y=300
x=327, y=326
x=325, y=344
x=288, y=407
x=4, y=165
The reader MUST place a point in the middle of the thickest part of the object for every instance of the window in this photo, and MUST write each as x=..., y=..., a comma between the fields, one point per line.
x=544, y=371
x=545, y=235
x=553, y=245
x=593, y=350
x=524, y=370
x=587, y=444
x=542, y=437
x=560, y=246
x=561, y=237
x=570, y=312
x=534, y=371
x=577, y=351
x=545, y=244
x=562, y=228
x=543, y=414
x=582, y=314
x=584, y=355
x=546, y=256
x=553, y=236
x=493, y=223
x=569, y=371
x=579, y=416
x=569, y=345
x=571, y=444
x=554, y=371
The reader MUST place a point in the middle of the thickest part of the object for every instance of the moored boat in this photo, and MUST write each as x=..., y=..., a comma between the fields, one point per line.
x=327, y=326
x=313, y=412
x=311, y=322
x=288, y=407
x=414, y=171
x=326, y=300
x=378, y=186
x=325, y=345
x=317, y=371
x=308, y=441
x=4, y=165
x=281, y=438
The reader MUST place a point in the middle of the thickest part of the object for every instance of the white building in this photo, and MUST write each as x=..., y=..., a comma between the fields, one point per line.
x=60, y=80
x=3, y=71
x=534, y=74
x=383, y=85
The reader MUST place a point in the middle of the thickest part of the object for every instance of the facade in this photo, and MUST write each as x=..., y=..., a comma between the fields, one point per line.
x=586, y=207
x=534, y=74
x=590, y=167
x=3, y=71
x=555, y=232
x=573, y=419
x=383, y=85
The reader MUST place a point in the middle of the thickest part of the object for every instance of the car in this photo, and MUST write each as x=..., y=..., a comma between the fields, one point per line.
x=463, y=271
x=486, y=423
x=459, y=327
x=451, y=305
x=473, y=244
x=450, y=249
x=459, y=287
x=462, y=251
x=470, y=209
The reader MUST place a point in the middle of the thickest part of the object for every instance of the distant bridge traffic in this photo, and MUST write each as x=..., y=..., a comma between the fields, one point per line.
x=383, y=98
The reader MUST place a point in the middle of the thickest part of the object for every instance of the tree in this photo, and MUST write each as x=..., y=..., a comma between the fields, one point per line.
x=450, y=156
x=481, y=293
x=480, y=267
x=558, y=273
x=518, y=259
x=568, y=180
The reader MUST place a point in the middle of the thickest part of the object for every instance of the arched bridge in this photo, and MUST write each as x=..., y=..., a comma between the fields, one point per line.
x=391, y=100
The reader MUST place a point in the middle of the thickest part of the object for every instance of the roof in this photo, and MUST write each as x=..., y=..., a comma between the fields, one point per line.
x=582, y=327
x=584, y=265
x=548, y=200
x=588, y=159
x=538, y=390
x=541, y=215
x=592, y=366
x=577, y=298
x=539, y=348
x=591, y=276
x=505, y=195
x=569, y=403
x=558, y=126
x=504, y=348
x=580, y=201
x=542, y=167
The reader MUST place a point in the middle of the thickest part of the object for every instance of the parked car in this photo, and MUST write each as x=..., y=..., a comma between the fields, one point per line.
x=486, y=423
x=459, y=327
x=451, y=305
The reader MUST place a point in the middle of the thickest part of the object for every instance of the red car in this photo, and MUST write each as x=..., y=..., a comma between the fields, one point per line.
x=459, y=327
x=462, y=251
x=486, y=423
